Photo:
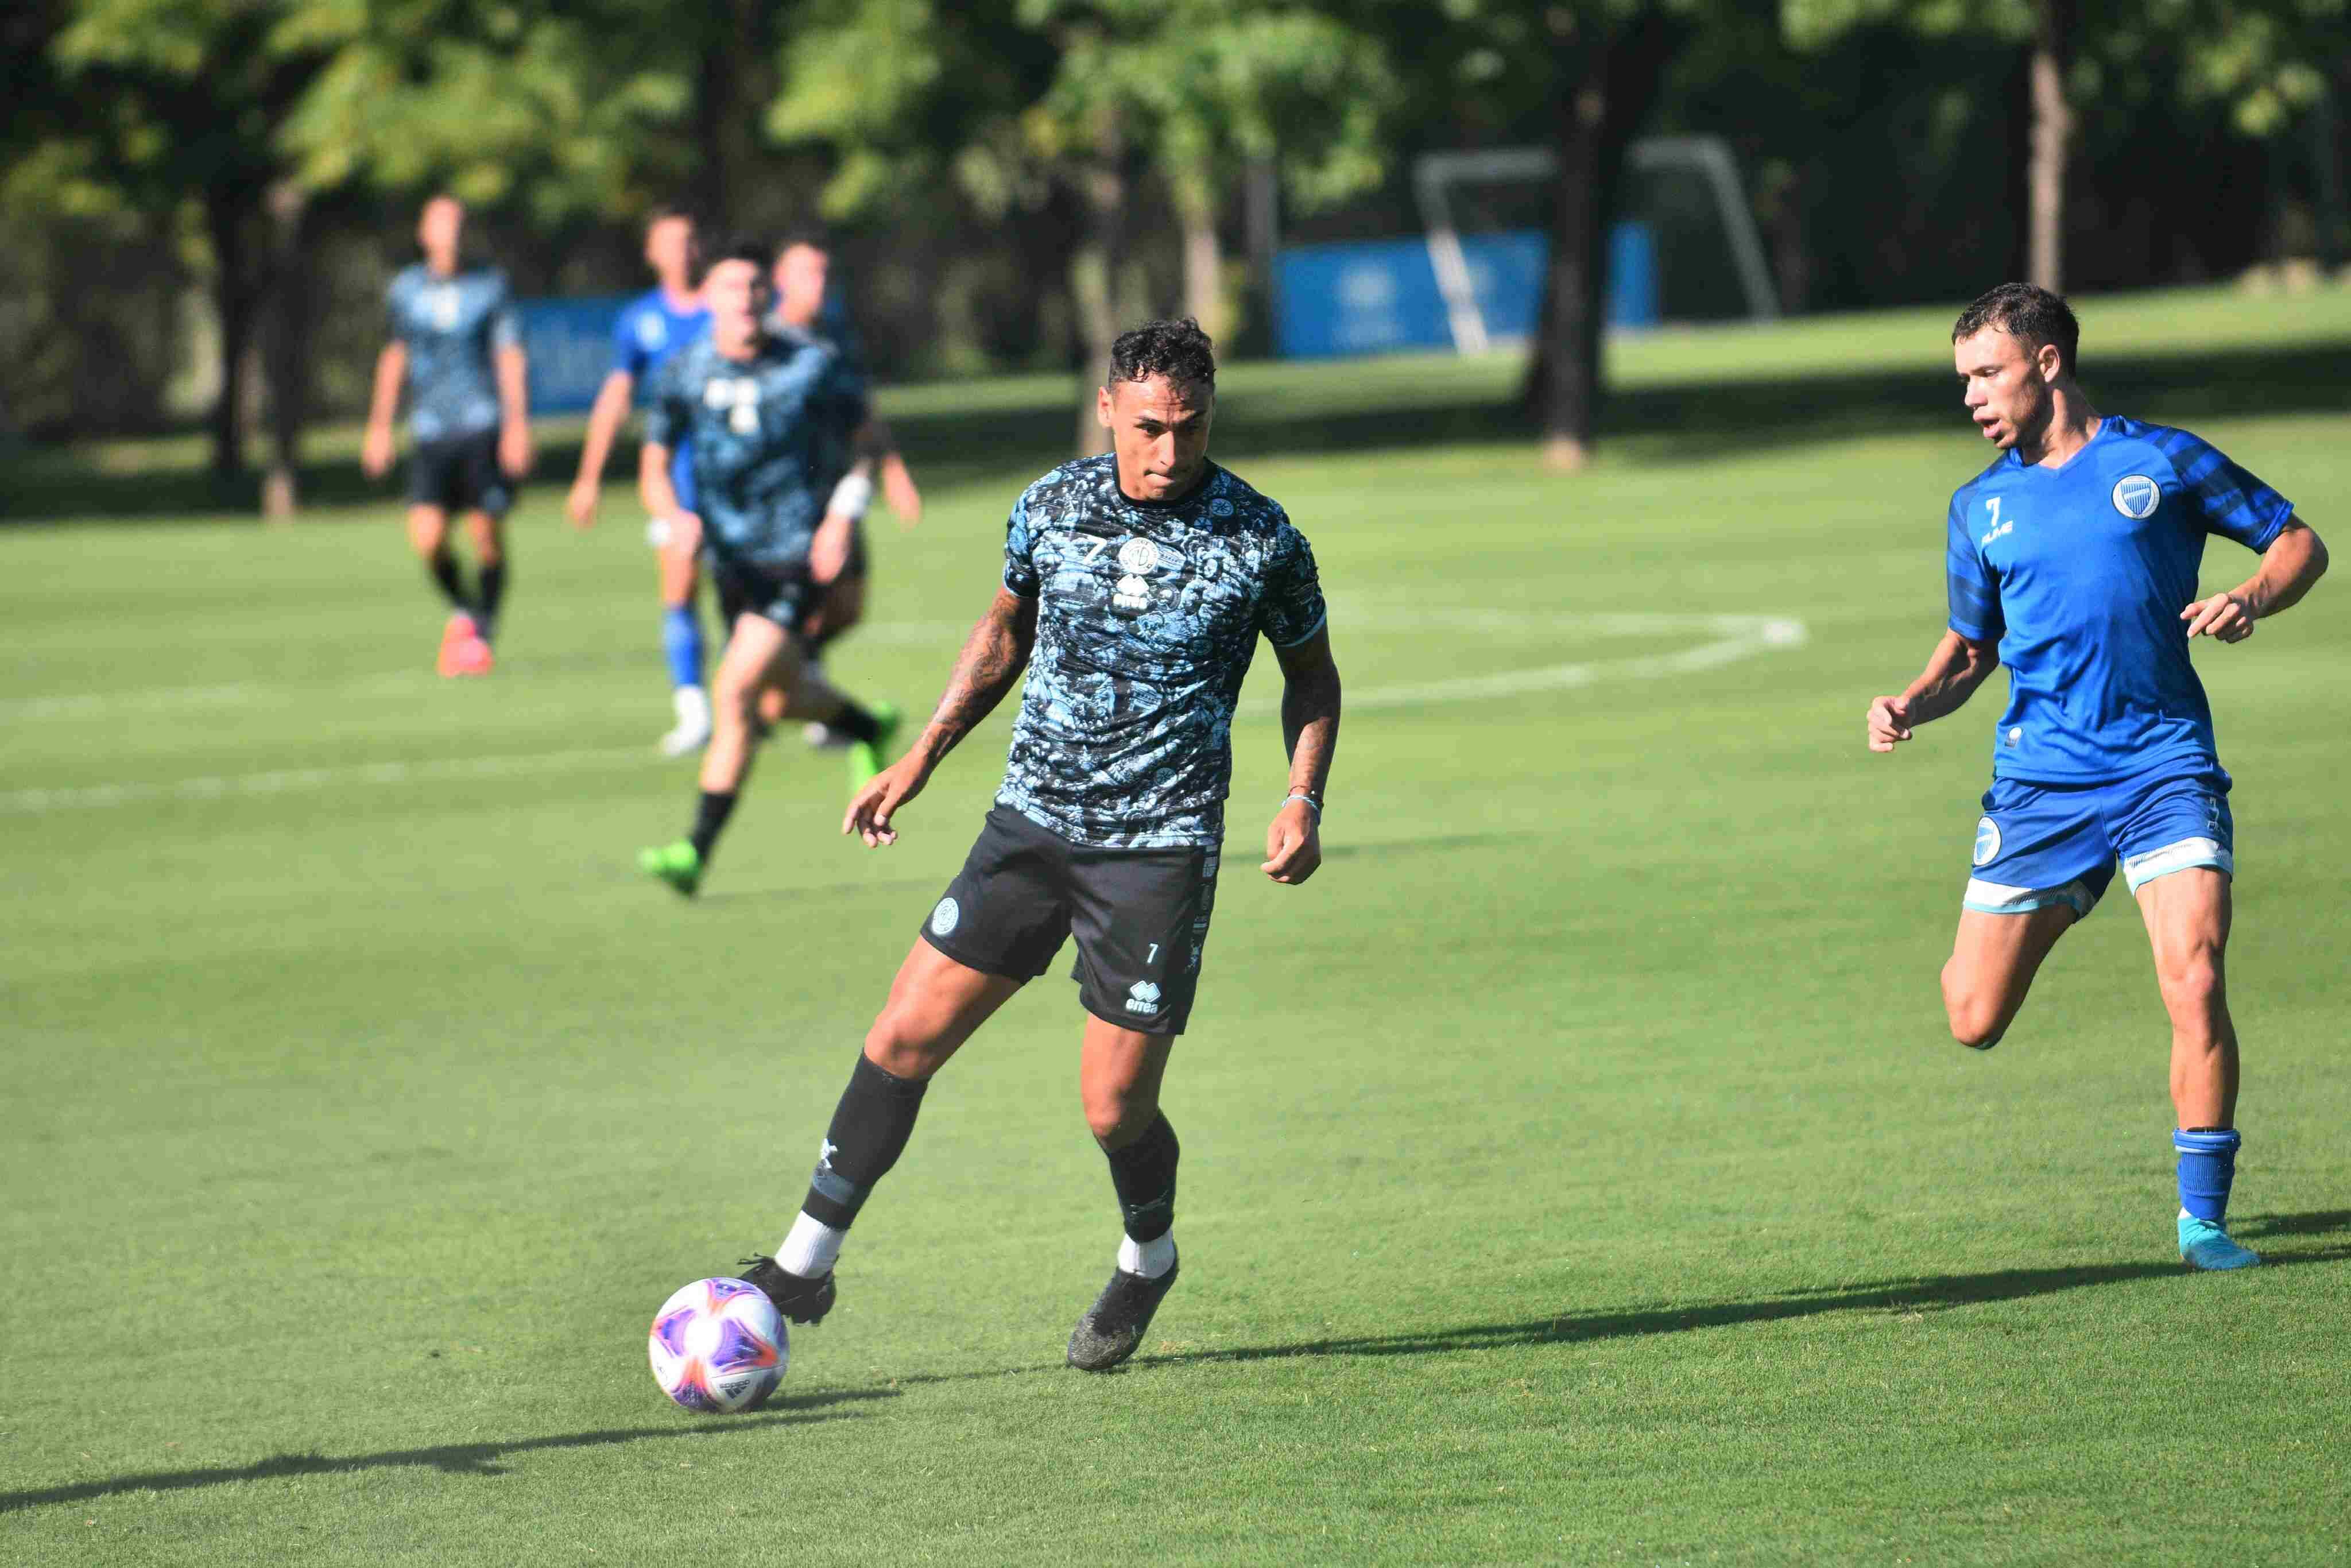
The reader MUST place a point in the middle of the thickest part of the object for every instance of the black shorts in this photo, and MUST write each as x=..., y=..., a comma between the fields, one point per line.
x=460, y=474
x=784, y=594
x=1140, y=918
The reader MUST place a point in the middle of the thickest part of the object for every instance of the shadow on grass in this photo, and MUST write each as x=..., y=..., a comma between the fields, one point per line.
x=454, y=1459
x=1321, y=413
x=1903, y=1298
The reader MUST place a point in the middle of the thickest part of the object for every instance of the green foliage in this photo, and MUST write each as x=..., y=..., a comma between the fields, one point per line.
x=557, y=107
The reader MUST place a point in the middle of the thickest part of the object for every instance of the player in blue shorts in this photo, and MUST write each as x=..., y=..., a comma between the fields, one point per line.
x=2074, y=559
x=1135, y=588
x=455, y=348
x=653, y=327
x=758, y=410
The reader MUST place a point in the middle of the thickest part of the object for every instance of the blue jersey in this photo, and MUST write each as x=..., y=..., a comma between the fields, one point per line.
x=758, y=429
x=2080, y=572
x=451, y=328
x=1147, y=617
x=646, y=334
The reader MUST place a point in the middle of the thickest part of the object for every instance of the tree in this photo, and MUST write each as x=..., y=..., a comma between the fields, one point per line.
x=185, y=99
x=1041, y=105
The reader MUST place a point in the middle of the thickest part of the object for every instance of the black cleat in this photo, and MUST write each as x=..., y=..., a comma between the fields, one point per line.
x=1113, y=1326
x=799, y=1297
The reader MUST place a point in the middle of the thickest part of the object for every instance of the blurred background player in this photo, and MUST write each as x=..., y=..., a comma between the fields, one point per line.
x=457, y=350
x=2075, y=556
x=806, y=303
x=1140, y=581
x=759, y=410
x=653, y=327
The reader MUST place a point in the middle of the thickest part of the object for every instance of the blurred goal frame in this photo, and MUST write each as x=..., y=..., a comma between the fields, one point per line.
x=1435, y=174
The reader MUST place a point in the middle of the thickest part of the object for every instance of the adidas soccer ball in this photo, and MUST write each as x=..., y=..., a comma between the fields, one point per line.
x=720, y=1346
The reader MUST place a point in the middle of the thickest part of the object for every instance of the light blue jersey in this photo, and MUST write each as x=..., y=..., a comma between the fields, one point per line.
x=453, y=327
x=2080, y=573
x=647, y=333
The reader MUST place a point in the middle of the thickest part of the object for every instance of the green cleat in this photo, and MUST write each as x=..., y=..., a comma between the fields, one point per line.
x=867, y=758
x=678, y=864
x=2204, y=1245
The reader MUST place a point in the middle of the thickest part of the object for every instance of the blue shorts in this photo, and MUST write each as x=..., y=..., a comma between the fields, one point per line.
x=2042, y=844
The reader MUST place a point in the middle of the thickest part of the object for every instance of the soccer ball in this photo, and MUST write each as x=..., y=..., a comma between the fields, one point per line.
x=718, y=1345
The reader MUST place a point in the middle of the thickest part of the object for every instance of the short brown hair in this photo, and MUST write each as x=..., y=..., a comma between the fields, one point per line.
x=2027, y=312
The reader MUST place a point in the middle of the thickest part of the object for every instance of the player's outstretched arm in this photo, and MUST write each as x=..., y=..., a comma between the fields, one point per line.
x=1958, y=666
x=2295, y=559
x=603, y=424
x=384, y=401
x=993, y=657
x=1310, y=729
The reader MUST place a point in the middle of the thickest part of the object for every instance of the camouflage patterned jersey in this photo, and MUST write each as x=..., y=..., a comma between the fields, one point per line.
x=1147, y=616
x=761, y=430
x=453, y=327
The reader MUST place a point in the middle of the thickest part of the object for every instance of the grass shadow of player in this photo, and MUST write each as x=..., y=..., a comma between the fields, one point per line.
x=453, y=1459
x=1902, y=1298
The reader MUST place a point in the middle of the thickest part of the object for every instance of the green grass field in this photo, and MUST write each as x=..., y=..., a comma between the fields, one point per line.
x=1577, y=1169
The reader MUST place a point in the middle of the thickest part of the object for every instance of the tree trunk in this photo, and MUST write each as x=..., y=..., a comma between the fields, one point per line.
x=1204, y=262
x=731, y=89
x=1100, y=184
x=2053, y=141
x=1605, y=83
x=285, y=348
x=233, y=303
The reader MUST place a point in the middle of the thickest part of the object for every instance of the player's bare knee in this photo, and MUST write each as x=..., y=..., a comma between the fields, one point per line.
x=904, y=1042
x=1974, y=1018
x=1118, y=1117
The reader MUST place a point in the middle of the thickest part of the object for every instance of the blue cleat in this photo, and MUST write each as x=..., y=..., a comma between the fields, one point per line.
x=2204, y=1245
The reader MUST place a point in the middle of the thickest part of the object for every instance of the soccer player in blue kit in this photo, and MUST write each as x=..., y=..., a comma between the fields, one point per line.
x=760, y=410
x=1135, y=587
x=456, y=349
x=2073, y=558
x=651, y=328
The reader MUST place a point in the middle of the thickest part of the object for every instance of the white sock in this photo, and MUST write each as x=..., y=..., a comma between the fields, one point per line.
x=812, y=1247
x=1148, y=1259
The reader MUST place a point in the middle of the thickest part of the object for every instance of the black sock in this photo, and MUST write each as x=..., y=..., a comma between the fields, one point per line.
x=493, y=589
x=869, y=1131
x=710, y=820
x=444, y=568
x=1144, y=1174
x=855, y=722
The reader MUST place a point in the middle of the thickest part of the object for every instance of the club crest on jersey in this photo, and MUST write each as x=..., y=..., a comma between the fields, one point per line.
x=1987, y=842
x=652, y=331
x=2136, y=495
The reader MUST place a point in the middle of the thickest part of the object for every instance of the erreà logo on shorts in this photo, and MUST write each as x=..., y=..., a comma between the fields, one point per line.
x=944, y=917
x=1142, y=997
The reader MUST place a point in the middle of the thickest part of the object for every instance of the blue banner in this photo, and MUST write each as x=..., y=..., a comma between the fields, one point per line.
x=1380, y=297
x=569, y=343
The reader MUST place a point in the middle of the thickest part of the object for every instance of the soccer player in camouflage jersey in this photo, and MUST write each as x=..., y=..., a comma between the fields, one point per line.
x=1135, y=587
x=758, y=409
x=455, y=348
x=2074, y=559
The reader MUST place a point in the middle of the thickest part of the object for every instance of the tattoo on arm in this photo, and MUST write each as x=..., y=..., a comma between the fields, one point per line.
x=993, y=657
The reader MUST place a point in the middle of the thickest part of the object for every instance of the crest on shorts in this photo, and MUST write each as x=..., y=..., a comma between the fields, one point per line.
x=2137, y=495
x=1987, y=842
x=944, y=917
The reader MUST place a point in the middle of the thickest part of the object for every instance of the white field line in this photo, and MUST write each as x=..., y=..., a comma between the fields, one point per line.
x=1730, y=639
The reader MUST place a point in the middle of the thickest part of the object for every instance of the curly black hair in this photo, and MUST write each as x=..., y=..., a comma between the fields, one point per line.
x=2027, y=312
x=1177, y=349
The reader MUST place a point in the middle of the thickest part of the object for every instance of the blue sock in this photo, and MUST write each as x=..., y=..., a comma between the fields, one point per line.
x=682, y=642
x=2207, y=1163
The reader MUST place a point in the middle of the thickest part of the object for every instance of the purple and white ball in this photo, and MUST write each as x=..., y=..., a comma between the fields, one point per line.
x=719, y=1346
